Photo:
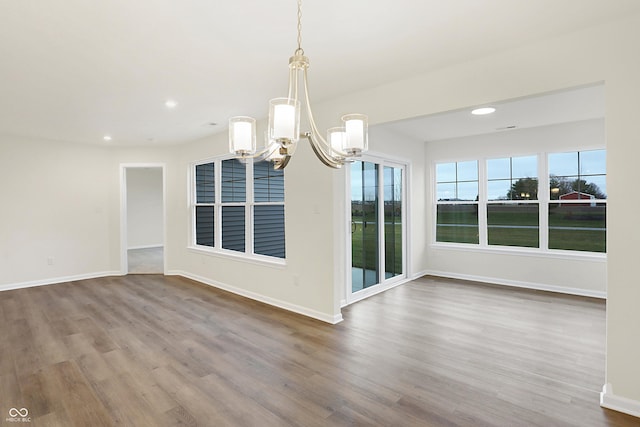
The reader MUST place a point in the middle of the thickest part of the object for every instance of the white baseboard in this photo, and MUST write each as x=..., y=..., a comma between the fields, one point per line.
x=242, y=292
x=520, y=284
x=344, y=302
x=418, y=275
x=374, y=290
x=55, y=280
x=258, y=297
x=618, y=403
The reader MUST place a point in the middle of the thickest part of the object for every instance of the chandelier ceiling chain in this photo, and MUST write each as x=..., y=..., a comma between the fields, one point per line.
x=342, y=144
x=300, y=28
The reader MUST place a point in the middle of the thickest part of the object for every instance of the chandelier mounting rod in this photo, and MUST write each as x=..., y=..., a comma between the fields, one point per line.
x=342, y=144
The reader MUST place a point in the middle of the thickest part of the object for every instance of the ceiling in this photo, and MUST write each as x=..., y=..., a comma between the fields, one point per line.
x=565, y=106
x=76, y=70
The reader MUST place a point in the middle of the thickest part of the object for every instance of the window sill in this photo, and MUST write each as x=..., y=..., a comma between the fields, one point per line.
x=527, y=252
x=260, y=260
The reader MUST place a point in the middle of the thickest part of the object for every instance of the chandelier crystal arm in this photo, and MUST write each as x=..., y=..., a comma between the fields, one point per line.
x=321, y=155
x=330, y=151
x=262, y=154
x=281, y=163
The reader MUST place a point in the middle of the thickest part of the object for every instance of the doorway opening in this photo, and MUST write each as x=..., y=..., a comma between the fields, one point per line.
x=142, y=219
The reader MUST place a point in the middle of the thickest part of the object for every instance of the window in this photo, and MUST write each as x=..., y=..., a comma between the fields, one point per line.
x=268, y=210
x=512, y=208
x=239, y=206
x=234, y=197
x=578, y=208
x=204, y=206
x=457, y=202
x=499, y=202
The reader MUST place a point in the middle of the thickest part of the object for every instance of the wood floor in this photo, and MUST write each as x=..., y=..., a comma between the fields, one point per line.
x=148, y=350
x=146, y=260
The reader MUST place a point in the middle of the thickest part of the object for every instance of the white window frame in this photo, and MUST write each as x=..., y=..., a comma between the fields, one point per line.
x=217, y=250
x=482, y=233
x=484, y=184
x=543, y=201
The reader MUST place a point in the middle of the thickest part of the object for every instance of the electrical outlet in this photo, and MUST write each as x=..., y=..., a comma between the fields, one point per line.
x=51, y=260
x=296, y=280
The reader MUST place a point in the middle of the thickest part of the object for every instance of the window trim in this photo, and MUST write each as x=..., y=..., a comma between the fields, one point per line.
x=522, y=251
x=217, y=250
x=544, y=200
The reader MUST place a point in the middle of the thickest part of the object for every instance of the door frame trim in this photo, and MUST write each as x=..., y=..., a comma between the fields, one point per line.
x=350, y=296
x=124, y=259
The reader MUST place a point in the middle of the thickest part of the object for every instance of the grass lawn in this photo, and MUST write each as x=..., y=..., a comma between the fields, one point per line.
x=366, y=238
x=571, y=226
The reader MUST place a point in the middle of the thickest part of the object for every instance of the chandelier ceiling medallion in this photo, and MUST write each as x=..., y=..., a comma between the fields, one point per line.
x=341, y=145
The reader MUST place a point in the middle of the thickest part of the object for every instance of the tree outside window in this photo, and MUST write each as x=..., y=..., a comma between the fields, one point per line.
x=577, y=181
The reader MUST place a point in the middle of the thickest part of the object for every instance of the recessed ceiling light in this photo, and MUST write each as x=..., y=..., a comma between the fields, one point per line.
x=170, y=103
x=107, y=137
x=483, y=111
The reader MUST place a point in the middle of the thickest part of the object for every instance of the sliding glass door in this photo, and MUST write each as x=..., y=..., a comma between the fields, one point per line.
x=377, y=224
x=365, y=262
x=393, y=222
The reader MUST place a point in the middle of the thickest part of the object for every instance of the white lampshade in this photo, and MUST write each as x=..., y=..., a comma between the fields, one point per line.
x=284, y=120
x=242, y=135
x=336, y=139
x=356, y=139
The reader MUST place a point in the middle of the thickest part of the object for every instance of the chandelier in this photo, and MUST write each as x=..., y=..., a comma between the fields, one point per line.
x=342, y=144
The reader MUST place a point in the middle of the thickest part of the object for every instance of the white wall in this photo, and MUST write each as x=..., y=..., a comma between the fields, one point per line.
x=605, y=53
x=144, y=207
x=54, y=217
x=60, y=216
x=574, y=273
x=305, y=284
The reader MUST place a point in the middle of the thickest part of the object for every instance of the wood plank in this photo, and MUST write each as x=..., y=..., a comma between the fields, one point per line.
x=66, y=387
x=165, y=351
x=123, y=405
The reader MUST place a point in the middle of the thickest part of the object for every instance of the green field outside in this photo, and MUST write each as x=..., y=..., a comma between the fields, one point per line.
x=571, y=226
x=457, y=224
x=367, y=238
x=522, y=237
x=583, y=240
x=513, y=225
